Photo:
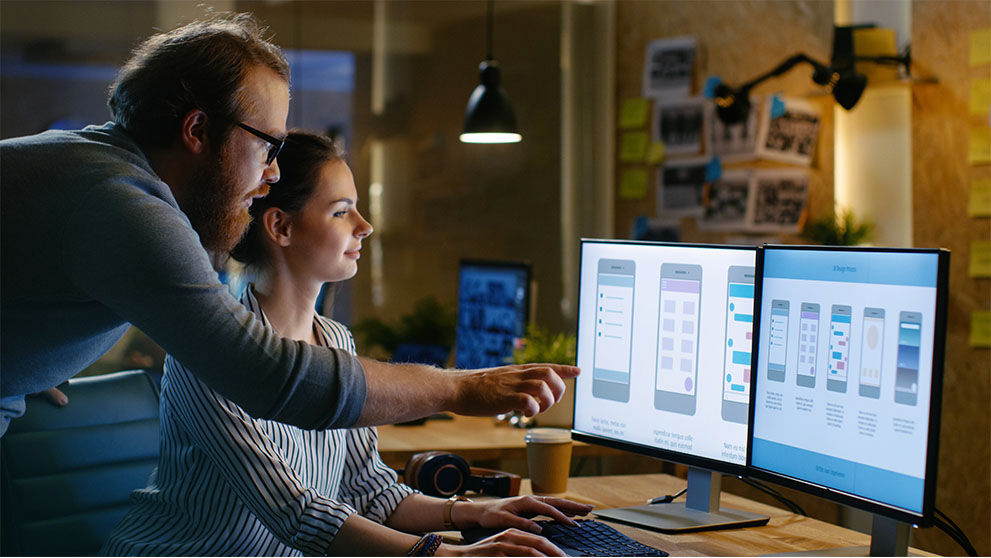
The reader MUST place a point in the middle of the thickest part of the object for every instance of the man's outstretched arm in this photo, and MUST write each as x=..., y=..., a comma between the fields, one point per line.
x=402, y=392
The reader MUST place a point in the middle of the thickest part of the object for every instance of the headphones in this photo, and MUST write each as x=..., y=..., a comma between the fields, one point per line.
x=438, y=473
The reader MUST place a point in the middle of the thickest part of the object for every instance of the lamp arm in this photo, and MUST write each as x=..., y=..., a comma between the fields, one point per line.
x=780, y=69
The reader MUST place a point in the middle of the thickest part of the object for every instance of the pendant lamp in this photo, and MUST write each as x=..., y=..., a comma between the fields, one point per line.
x=489, y=116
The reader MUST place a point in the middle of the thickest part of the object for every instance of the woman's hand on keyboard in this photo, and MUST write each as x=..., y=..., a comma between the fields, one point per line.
x=516, y=512
x=511, y=542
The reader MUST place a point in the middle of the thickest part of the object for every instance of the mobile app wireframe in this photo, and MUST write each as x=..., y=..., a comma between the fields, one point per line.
x=777, y=355
x=613, y=329
x=907, y=372
x=676, y=379
x=738, y=343
x=839, y=348
x=808, y=345
x=872, y=353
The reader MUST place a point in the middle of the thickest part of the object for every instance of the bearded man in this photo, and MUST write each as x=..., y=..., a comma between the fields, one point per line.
x=110, y=226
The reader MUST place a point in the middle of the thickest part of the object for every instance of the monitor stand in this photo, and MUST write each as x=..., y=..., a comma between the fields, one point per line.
x=699, y=512
x=888, y=538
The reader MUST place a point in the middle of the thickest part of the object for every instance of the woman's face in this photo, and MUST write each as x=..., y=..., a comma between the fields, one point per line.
x=326, y=235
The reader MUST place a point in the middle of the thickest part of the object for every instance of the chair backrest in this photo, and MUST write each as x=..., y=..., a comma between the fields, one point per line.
x=68, y=472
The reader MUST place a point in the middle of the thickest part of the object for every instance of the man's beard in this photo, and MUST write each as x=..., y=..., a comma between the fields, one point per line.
x=216, y=209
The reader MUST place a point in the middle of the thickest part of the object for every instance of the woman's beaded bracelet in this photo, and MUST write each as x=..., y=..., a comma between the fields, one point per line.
x=426, y=546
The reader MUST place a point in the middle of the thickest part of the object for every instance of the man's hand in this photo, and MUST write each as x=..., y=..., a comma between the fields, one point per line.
x=528, y=388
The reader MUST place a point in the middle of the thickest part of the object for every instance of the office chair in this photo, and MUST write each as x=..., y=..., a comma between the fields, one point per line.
x=67, y=473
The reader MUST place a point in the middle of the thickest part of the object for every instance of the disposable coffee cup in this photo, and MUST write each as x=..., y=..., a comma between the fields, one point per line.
x=548, y=458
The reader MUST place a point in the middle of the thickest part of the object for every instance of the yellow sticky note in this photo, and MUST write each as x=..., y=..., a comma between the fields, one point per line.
x=655, y=153
x=633, y=113
x=980, y=96
x=980, y=46
x=980, y=198
x=633, y=147
x=633, y=184
x=980, y=258
x=980, y=329
x=980, y=146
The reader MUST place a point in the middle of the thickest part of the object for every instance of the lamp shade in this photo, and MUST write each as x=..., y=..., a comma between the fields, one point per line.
x=848, y=88
x=489, y=116
x=732, y=106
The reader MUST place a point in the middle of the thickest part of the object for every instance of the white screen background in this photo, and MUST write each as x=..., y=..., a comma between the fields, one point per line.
x=703, y=434
x=889, y=450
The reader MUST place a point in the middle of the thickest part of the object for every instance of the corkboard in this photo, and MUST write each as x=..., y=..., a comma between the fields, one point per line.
x=941, y=178
x=736, y=45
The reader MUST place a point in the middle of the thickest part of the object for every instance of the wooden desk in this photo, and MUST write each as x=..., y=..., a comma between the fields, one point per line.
x=786, y=532
x=474, y=438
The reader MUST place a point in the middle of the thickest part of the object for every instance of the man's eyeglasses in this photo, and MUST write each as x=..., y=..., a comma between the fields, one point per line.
x=275, y=143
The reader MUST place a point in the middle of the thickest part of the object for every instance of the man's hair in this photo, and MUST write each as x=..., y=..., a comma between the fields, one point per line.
x=200, y=65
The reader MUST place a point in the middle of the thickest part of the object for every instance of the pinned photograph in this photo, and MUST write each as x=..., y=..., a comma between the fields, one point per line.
x=668, y=66
x=679, y=187
x=779, y=200
x=733, y=143
x=790, y=137
x=679, y=125
x=727, y=202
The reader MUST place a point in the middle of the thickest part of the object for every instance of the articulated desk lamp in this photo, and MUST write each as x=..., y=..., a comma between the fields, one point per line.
x=840, y=77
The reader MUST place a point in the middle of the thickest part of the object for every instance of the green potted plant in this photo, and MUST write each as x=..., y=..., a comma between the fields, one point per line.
x=424, y=335
x=839, y=228
x=540, y=345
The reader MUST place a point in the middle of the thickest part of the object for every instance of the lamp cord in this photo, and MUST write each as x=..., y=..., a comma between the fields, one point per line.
x=489, y=30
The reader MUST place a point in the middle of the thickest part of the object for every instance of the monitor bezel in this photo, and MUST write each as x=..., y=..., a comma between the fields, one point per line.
x=708, y=463
x=524, y=265
x=925, y=518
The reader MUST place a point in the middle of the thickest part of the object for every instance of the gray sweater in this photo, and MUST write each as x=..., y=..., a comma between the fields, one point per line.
x=92, y=241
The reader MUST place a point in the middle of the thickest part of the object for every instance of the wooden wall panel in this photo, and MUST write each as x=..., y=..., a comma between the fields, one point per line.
x=941, y=179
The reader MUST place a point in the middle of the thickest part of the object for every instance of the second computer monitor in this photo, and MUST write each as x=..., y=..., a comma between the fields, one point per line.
x=493, y=311
x=664, y=338
x=848, y=375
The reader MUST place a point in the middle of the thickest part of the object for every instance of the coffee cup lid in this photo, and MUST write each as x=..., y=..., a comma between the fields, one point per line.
x=548, y=435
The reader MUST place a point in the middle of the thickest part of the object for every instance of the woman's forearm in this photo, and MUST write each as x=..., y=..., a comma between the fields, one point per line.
x=359, y=536
x=420, y=513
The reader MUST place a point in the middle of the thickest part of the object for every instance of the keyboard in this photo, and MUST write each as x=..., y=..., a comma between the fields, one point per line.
x=589, y=538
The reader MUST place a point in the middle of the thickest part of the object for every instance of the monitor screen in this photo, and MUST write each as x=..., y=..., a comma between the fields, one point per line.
x=664, y=336
x=849, y=372
x=493, y=309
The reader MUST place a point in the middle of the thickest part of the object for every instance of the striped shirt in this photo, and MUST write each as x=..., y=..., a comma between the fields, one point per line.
x=228, y=484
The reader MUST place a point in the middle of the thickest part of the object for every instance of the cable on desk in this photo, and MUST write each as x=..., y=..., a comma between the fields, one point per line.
x=795, y=508
x=947, y=525
x=666, y=499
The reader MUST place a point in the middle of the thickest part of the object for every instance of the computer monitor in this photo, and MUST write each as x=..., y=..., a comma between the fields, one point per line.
x=848, y=379
x=664, y=335
x=493, y=311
